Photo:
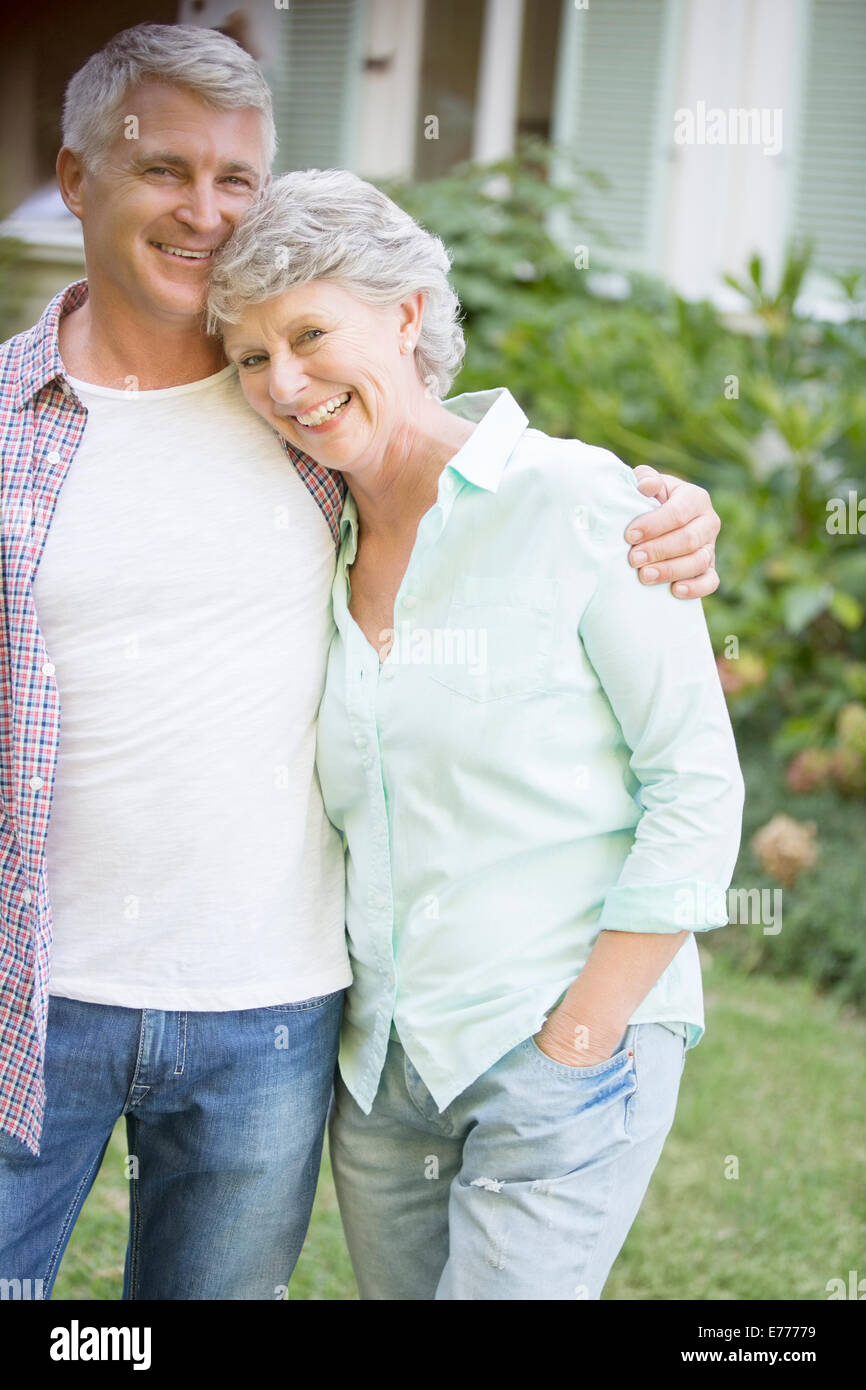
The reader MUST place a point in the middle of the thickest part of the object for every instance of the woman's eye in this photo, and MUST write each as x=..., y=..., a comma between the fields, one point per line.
x=311, y=333
x=253, y=360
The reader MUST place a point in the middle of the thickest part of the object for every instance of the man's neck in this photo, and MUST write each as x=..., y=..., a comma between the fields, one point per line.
x=130, y=350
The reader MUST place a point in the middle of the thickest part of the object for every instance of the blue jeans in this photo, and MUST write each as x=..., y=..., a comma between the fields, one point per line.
x=523, y=1188
x=225, y=1117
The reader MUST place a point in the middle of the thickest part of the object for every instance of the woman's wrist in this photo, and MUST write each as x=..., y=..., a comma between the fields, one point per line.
x=592, y=1017
x=577, y=1039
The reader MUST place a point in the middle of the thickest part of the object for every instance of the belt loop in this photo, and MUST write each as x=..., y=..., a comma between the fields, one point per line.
x=181, y=1045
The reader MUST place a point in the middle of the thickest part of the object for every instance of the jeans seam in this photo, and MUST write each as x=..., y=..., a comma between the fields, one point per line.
x=447, y=1130
x=134, y=1215
x=70, y=1219
x=632, y=1045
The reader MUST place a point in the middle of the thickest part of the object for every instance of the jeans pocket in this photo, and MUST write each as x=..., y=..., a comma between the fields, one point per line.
x=620, y=1060
x=299, y=1004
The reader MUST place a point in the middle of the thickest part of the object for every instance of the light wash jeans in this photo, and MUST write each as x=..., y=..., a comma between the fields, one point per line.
x=524, y=1187
x=225, y=1119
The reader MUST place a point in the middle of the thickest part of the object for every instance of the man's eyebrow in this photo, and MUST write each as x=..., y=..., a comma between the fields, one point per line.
x=239, y=166
x=233, y=166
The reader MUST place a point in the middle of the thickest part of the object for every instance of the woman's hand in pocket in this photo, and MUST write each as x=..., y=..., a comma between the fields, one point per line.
x=575, y=1045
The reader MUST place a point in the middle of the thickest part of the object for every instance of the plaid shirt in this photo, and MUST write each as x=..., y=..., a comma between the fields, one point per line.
x=42, y=423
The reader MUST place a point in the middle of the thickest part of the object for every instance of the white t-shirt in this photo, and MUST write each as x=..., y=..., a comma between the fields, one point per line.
x=184, y=597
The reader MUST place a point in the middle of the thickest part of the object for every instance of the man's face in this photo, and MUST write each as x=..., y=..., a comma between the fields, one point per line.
x=179, y=187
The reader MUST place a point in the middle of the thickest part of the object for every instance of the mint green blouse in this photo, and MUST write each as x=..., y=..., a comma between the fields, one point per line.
x=545, y=753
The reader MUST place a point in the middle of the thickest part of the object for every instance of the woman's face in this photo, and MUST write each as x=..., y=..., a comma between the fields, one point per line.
x=327, y=371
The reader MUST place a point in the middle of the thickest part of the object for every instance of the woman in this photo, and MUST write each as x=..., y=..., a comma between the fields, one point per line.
x=530, y=758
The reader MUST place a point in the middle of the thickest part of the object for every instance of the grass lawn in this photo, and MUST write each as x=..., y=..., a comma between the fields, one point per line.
x=777, y=1084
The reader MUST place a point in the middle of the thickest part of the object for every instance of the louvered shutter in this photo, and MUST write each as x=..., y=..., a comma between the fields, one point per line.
x=614, y=82
x=315, y=80
x=830, y=197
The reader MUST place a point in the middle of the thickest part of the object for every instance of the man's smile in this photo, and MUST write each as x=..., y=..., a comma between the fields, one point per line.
x=183, y=252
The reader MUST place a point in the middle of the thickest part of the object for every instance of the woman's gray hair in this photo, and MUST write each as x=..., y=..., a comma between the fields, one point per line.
x=209, y=65
x=328, y=224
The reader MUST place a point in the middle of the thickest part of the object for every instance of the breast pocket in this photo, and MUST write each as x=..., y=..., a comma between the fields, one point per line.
x=498, y=641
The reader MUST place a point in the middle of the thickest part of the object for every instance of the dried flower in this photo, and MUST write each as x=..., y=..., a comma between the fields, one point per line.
x=848, y=770
x=746, y=672
x=809, y=770
x=786, y=847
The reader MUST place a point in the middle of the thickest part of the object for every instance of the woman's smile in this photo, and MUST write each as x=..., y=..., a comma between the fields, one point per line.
x=318, y=419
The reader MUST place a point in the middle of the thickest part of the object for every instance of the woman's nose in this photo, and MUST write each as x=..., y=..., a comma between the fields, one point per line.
x=288, y=380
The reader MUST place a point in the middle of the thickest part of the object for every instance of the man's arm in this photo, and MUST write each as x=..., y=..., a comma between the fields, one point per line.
x=677, y=544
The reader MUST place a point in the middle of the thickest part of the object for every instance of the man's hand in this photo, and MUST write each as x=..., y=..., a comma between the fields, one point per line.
x=678, y=538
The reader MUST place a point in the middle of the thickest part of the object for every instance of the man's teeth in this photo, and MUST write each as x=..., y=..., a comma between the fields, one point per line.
x=324, y=411
x=179, y=251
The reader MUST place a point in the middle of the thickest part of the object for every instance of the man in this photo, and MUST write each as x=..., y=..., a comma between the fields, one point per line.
x=169, y=878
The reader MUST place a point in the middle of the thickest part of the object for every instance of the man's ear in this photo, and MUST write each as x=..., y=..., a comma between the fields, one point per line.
x=70, y=174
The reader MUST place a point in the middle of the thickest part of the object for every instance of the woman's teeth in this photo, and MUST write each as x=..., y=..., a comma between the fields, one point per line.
x=325, y=411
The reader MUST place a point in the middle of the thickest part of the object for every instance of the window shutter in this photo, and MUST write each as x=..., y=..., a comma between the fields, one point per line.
x=830, y=199
x=614, y=74
x=315, y=79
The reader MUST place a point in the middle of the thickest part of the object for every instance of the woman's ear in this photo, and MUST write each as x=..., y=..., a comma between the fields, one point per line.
x=411, y=315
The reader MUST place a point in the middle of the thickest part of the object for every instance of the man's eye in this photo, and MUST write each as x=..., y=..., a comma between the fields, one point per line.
x=160, y=169
x=238, y=179
x=311, y=333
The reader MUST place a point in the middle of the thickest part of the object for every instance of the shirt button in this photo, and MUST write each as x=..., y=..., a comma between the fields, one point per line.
x=36, y=783
x=410, y=601
x=53, y=456
x=28, y=896
x=48, y=668
x=387, y=672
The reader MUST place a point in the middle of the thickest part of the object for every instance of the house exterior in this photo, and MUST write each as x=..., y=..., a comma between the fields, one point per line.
x=723, y=127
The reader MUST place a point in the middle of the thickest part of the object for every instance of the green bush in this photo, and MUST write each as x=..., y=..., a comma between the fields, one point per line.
x=821, y=936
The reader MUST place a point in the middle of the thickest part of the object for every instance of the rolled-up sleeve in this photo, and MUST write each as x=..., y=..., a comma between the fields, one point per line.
x=653, y=657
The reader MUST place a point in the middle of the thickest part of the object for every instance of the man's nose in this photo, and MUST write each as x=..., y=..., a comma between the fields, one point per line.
x=199, y=208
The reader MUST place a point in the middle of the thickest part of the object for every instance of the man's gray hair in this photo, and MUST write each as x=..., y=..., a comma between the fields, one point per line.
x=209, y=65
x=328, y=224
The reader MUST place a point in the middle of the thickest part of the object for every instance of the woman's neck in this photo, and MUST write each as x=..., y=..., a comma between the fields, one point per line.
x=393, y=495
